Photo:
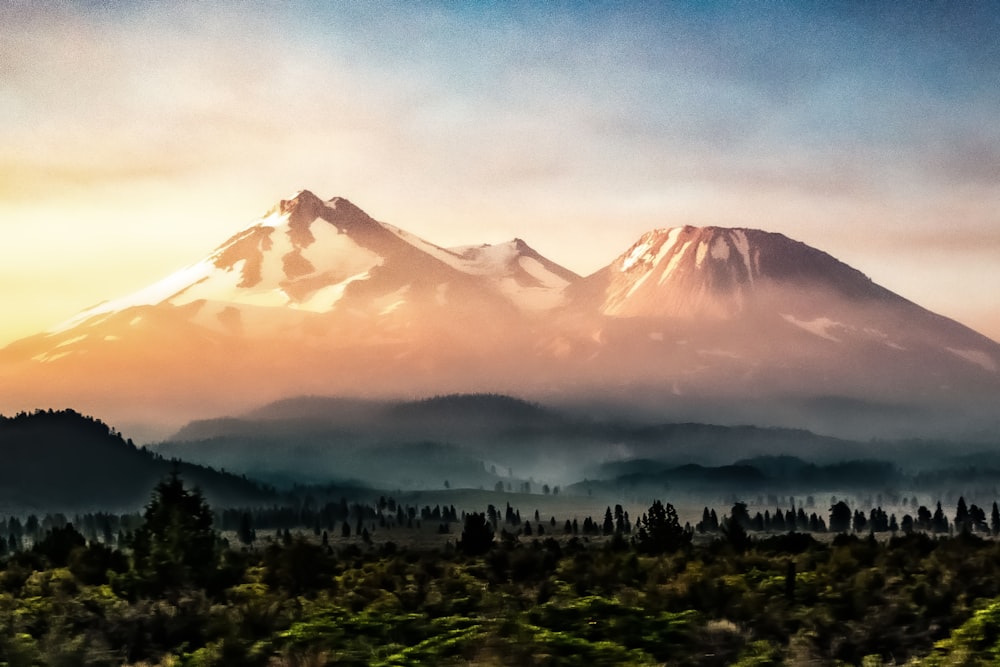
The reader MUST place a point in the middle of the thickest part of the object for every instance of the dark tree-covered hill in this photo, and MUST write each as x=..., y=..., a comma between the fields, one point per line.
x=64, y=461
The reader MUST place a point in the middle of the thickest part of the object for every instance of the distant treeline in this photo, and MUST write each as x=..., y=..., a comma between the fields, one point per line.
x=172, y=591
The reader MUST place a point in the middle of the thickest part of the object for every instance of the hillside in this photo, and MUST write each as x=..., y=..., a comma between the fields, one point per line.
x=64, y=461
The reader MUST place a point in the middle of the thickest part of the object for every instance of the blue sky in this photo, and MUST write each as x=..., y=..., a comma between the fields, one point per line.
x=136, y=137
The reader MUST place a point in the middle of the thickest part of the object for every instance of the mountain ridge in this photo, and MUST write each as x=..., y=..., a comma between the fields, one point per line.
x=317, y=297
x=63, y=460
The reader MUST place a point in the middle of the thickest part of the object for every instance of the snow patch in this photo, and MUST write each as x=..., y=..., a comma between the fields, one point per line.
x=502, y=263
x=223, y=285
x=674, y=261
x=977, y=357
x=742, y=246
x=720, y=249
x=70, y=341
x=818, y=327
x=638, y=251
x=883, y=338
x=667, y=245
x=156, y=293
x=484, y=260
x=46, y=358
x=391, y=307
x=537, y=270
x=394, y=301
x=638, y=283
x=702, y=252
x=333, y=249
x=324, y=299
x=448, y=257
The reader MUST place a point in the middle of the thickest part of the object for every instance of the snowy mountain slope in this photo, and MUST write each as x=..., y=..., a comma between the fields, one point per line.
x=735, y=278
x=306, y=254
x=691, y=272
x=319, y=298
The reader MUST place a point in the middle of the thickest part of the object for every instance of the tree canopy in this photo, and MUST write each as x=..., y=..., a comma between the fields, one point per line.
x=176, y=545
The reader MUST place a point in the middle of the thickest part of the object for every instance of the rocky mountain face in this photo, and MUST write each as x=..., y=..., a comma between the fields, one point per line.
x=316, y=297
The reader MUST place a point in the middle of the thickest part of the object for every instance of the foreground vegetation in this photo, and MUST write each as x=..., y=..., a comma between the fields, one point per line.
x=174, y=593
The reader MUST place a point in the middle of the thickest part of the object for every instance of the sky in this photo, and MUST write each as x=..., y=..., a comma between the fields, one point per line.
x=137, y=137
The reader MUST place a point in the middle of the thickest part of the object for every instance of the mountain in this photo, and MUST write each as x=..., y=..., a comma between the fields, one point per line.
x=64, y=461
x=310, y=256
x=741, y=317
x=469, y=440
x=313, y=297
x=701, y=324
x=712, y=272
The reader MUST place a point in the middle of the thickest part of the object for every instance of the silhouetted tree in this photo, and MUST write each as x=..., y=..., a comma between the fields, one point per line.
x=840, y=518
x=477, y=535
x=923, y=518
x=734, y=533
x=175, y=546
x=939, y=523
x=659, y=530
x=962, y=519
x=297, y=567
x=245, y=533
x=58, y=543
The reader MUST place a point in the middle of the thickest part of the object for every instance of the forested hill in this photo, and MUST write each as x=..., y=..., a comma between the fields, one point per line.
x=64, y=461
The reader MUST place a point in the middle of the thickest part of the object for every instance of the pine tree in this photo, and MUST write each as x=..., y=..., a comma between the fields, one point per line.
x=477, y=535
x=961, y=515
x=939, y=524
x=175, y=546
x=609, y=522
x=840, y=517
x=245, y=533
x=659, y=530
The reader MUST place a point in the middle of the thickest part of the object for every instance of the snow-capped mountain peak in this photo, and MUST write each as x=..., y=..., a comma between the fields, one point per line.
x=316, y=296
x=306, y=254
x=684, y=272
x=715, y=271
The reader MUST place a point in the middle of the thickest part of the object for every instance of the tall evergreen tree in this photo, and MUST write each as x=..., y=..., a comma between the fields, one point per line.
x=477, y=535
x=175, y=546
x=939, y=523
x=659, y=530
x=840, y=518
x=609, y=522
x=961, y=515
x=245, y=532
